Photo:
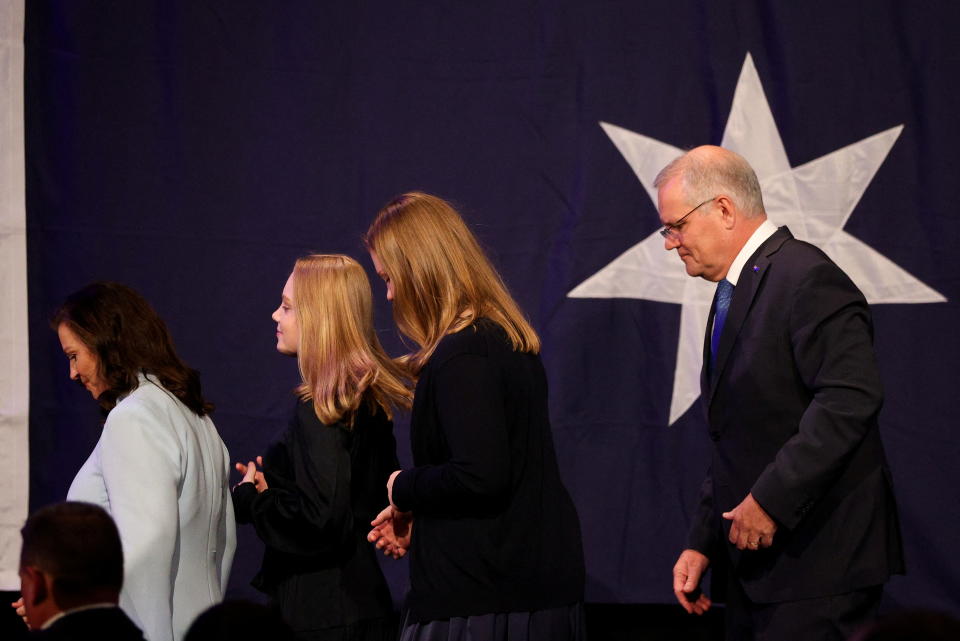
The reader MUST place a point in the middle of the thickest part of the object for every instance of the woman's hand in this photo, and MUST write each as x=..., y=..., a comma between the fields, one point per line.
x=21, y=610
x=391, y=531
x=390, y=489
x=251, y=475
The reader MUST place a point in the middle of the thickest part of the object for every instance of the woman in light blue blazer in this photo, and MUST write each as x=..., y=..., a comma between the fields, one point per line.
x=160, y=468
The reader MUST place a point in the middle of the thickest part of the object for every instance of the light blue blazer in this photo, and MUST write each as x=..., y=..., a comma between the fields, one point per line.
x=162, y=472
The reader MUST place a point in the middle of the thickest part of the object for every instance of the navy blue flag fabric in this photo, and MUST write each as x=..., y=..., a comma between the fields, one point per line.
x=194, y=150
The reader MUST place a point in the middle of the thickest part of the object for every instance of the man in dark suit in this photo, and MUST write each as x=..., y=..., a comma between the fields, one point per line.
x=797, y=510
x=71, y=572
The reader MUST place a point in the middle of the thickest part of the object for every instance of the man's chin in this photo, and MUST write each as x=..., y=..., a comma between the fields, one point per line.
x=692, y=269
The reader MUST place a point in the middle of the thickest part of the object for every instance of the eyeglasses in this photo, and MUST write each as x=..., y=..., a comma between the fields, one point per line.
x=672, y=230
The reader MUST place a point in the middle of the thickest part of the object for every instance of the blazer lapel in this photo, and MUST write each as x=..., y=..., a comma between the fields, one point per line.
x=748, y=285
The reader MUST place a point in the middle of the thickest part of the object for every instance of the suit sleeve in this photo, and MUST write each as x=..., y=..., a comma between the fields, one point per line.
x=702, y=536
x=307, y=506
x=470, y=408
x=832, y=342
x=141, y=462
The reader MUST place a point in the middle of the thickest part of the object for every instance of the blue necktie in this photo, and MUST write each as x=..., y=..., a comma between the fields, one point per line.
x=723, y=296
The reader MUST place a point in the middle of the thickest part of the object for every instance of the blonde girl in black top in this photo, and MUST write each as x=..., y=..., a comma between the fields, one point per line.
x=323, y=480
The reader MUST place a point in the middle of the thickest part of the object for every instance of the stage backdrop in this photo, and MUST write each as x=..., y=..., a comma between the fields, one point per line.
x=194, y=150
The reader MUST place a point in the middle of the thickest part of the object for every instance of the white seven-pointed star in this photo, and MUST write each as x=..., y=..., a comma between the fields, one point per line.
x=813, y=200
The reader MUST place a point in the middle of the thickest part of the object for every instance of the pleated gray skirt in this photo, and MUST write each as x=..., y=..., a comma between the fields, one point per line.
x=556, y=624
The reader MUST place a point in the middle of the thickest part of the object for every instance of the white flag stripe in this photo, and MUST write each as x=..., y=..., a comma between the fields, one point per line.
x=14, y=370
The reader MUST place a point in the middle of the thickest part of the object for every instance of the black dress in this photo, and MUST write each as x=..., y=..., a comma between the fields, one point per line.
x=325, y=485
x=495, y=530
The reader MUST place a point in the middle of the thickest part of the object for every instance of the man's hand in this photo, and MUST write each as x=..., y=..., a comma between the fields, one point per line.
x=752, y=527
x=21, y=610
x=687, y=573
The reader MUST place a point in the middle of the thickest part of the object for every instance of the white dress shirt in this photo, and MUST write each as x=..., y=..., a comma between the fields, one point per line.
x=759, y=235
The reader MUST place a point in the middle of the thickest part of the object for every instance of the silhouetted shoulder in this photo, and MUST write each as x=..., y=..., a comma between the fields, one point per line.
x=483, y=338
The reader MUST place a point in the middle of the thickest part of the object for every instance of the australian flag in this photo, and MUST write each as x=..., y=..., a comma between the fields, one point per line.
x=194, y=150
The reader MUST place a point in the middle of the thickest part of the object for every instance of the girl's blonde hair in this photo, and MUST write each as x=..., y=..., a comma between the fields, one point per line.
x=341, y=360
x=442, y=280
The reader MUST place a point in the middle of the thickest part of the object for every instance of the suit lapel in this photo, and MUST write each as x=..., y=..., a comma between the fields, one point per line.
x=748, y=286
x=705, y=369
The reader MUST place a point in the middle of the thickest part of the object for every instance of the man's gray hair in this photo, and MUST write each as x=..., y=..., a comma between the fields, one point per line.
x=705, y=173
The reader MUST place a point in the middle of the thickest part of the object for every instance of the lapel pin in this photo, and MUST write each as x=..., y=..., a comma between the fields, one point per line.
x=755, y=269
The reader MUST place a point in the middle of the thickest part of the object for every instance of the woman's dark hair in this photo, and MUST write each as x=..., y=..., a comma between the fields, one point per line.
x=128, y=337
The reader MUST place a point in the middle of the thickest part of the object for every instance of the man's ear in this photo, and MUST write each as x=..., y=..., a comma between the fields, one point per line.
x=35, y=586
x=728, y=213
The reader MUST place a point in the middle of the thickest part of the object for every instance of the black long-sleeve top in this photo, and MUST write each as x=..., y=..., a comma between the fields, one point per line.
x=494, y=528
x=325, y=484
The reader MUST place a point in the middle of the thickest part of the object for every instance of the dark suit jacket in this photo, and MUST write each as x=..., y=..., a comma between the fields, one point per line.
x=92, y=625
x=792, y=405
